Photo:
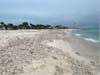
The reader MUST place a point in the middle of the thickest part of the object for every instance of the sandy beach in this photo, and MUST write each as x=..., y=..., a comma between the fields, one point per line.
x=46, y=52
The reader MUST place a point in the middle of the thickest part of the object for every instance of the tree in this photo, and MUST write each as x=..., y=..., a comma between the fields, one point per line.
x=58, y=26
x=39, y=26
x=61, y=27
x=48, y=27
x=12, y=27
x=25, y=25
x=3, y=26
x=32, y=26
x=20, y=26
x=1, y=23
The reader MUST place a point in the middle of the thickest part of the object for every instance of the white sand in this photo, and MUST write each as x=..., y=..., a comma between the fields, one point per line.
x=41, y=52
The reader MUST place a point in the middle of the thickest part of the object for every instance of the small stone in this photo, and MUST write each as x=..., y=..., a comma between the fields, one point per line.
x=77, y=53
x=54, y=57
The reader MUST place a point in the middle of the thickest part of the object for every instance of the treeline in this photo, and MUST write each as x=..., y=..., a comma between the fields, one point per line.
x=26, y=25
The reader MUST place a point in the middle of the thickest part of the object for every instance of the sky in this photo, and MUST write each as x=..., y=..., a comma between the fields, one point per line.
x=65, y=12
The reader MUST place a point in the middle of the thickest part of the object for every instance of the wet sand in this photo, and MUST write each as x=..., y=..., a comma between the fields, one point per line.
x=85, y=48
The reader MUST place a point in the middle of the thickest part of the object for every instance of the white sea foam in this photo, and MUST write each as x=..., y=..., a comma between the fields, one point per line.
x=78, y=34
x=90, y=39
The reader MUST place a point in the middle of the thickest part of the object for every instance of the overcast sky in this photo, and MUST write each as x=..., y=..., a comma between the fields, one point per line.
x=84, y=12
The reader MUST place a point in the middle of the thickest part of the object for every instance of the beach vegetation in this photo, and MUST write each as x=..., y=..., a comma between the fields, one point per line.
x=26, y=25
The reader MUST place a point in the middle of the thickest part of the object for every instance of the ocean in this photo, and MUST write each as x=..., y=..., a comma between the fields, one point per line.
x=89, y=34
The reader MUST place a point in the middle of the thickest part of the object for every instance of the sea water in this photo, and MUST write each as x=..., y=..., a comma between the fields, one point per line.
x=89, y=34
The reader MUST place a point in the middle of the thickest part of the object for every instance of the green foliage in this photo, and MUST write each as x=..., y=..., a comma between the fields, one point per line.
x=60, y=27
x=26, y=25
x=2, y=23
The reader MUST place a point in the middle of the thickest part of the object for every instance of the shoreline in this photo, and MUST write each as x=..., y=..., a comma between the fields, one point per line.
x=43, y=52
x=87, y=49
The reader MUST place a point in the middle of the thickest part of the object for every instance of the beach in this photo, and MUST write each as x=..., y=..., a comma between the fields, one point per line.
x=46, y=52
